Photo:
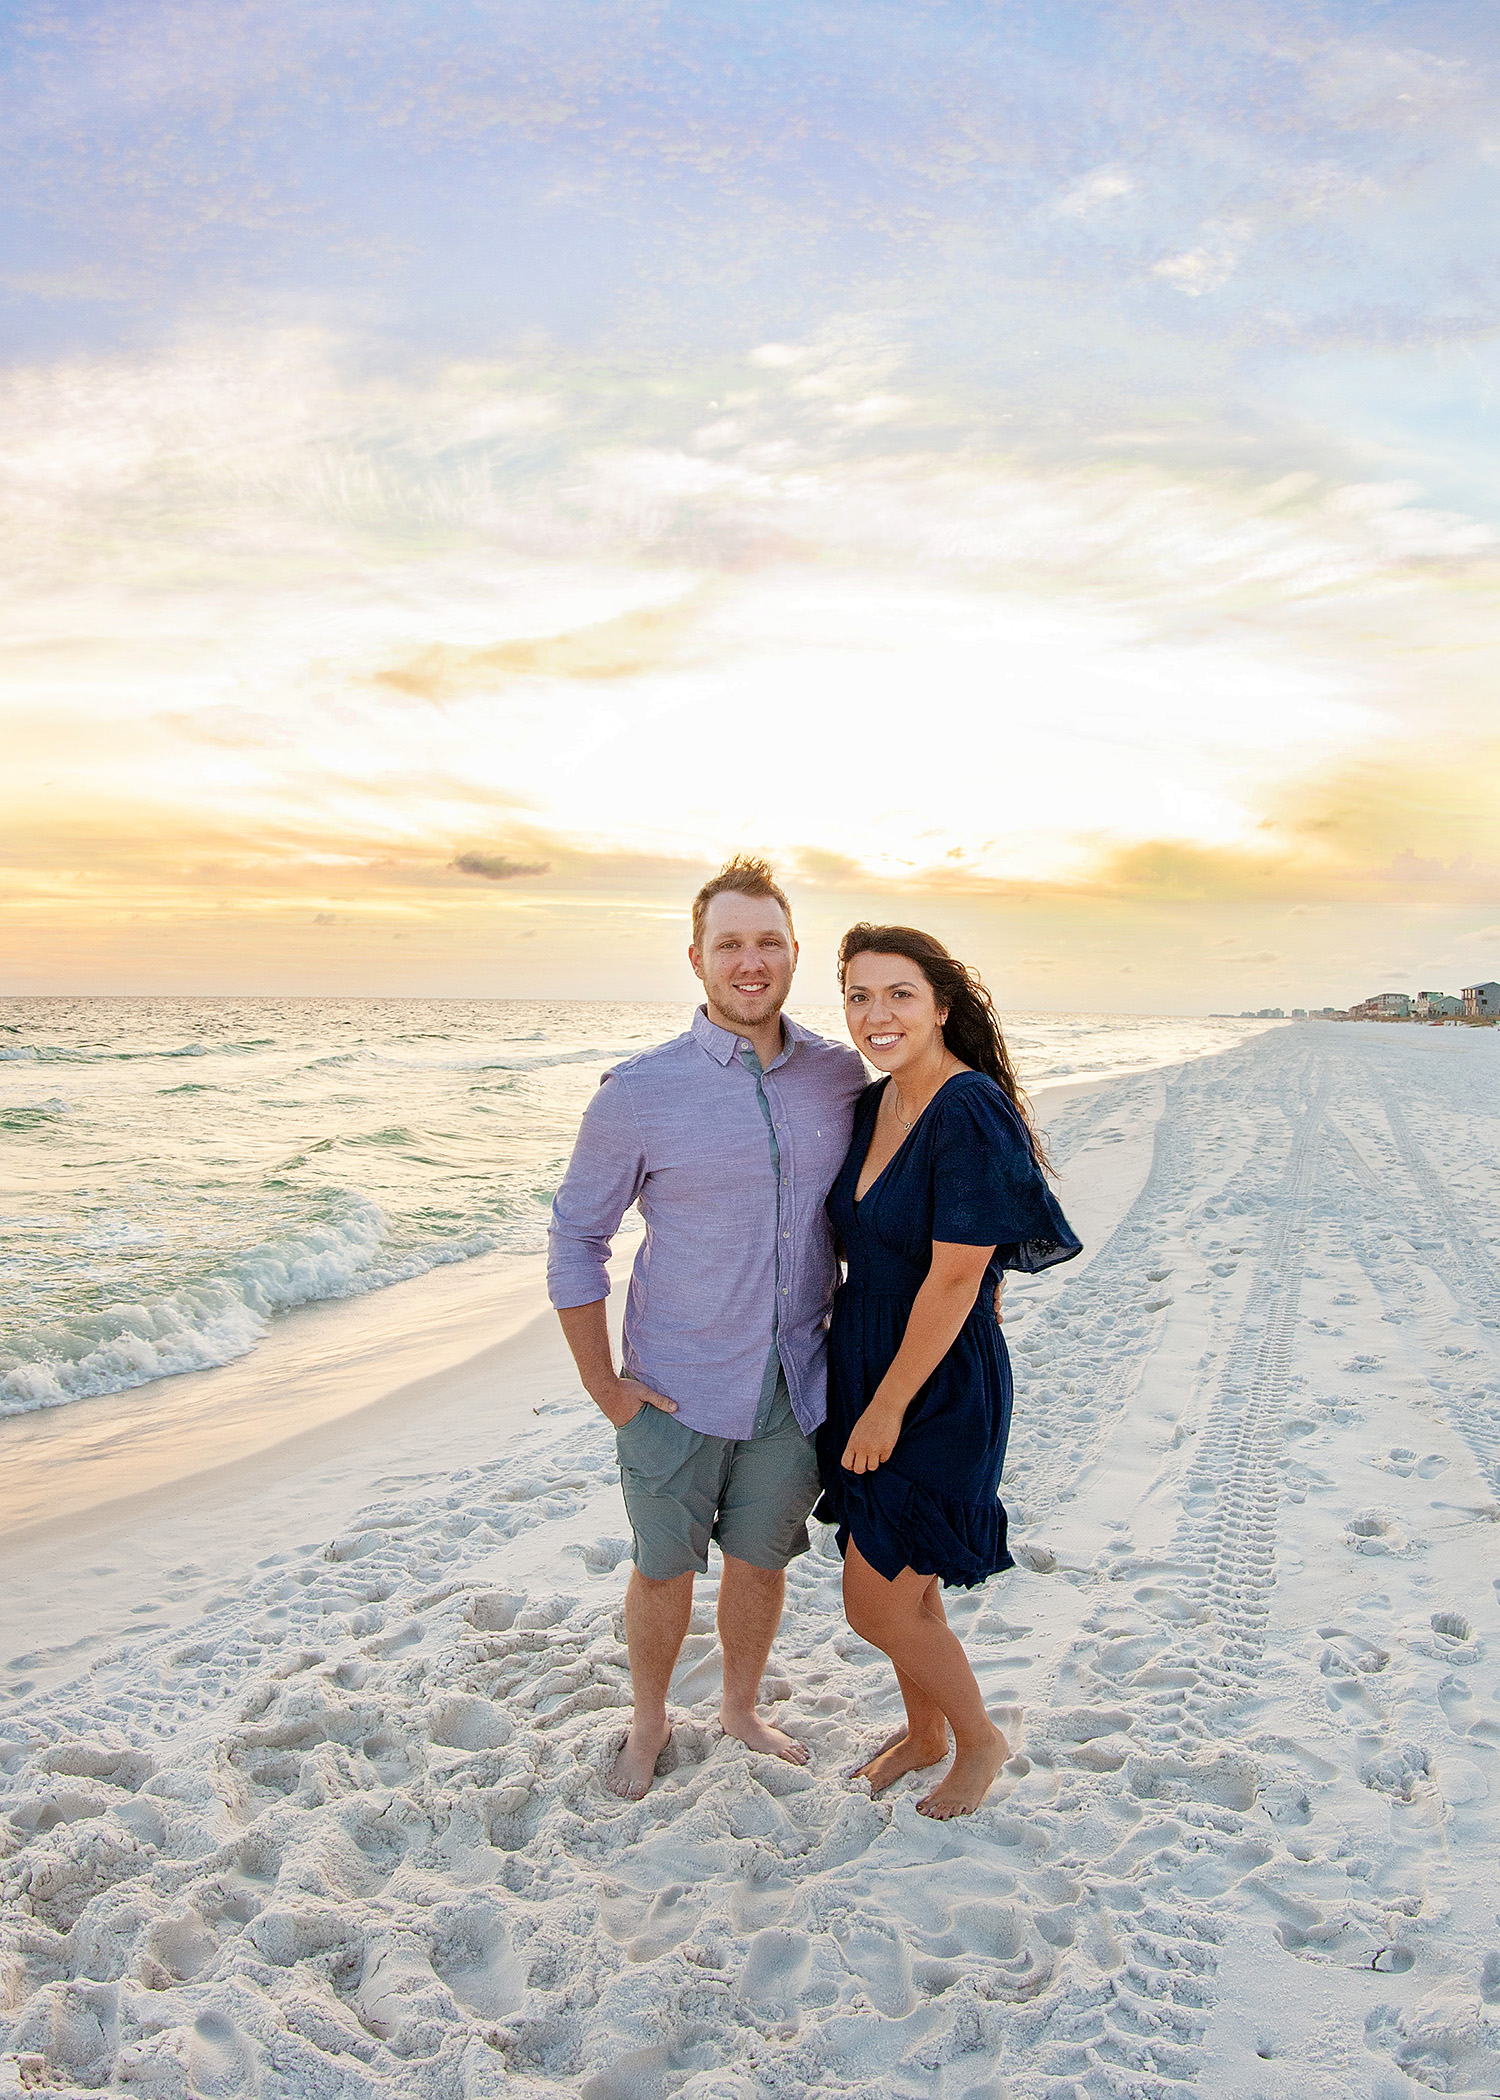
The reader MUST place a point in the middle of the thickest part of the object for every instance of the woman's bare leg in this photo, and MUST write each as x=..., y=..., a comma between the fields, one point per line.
x=924, y=1717
x=893, y=1617
x=924, y=1739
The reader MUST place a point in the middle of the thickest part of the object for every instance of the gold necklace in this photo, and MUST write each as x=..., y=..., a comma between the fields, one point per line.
x=896, y=1103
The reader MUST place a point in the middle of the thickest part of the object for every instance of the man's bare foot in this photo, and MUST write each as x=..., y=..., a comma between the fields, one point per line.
x=635, y=1767
x=760, y=1735
x=903, y=1753
x=968, y=1780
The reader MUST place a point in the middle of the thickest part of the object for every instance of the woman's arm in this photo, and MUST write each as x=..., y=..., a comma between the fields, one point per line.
x=942, y=1305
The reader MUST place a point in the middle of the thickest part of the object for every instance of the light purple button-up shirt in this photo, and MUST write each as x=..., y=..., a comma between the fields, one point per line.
x=732, y=1266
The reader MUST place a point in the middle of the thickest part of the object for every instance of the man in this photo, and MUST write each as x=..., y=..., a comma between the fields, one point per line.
x=728, y=1140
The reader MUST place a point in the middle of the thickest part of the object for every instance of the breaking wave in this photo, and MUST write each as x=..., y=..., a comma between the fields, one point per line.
x=220, y=1317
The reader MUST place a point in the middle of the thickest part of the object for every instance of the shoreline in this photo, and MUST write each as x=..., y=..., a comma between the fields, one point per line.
x=123, y=1314
x=79, y=1580
x=321, y=1363
x=109, y=1508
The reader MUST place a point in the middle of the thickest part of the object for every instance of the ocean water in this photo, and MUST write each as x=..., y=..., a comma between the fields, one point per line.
x=176, y=1172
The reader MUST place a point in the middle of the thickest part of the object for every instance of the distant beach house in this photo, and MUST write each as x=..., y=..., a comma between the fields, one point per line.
x=1385, y=1006
x=1435, y=1006
x=1482, y=1001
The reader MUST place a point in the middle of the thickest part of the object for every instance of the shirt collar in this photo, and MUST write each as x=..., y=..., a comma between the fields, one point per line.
x=722, y=1045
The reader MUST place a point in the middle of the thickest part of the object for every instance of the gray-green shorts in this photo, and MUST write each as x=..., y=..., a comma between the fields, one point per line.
x=683, y=1488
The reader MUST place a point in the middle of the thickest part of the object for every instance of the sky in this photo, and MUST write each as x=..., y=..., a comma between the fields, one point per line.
x=467, y=467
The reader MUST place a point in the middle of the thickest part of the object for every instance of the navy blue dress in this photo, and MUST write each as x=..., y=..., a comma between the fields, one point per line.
x=966, y=1174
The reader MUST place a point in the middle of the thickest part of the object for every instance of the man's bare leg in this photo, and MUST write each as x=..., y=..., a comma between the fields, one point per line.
x=924, y=1739
x=750, y=1601
x=656, y=1624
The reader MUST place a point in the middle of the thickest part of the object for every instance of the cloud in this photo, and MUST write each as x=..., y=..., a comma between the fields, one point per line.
x=1209, y=266
x=1102, y=187
x=838, y=870
x=495, y=867
x=282, y=635
x=983, y=580
x=1412, y=868
x=625, y=647
x=648, y=176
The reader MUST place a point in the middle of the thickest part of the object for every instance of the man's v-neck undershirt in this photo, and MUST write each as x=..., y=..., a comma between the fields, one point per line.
x=772, y=1374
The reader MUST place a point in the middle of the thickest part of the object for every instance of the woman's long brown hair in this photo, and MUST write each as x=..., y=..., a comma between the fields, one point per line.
x=972, y=1030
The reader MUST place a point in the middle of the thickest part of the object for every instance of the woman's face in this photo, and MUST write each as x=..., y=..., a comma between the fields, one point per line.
x=892, y=1012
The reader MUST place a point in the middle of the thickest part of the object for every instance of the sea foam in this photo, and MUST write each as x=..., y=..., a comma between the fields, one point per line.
x=213, y=1321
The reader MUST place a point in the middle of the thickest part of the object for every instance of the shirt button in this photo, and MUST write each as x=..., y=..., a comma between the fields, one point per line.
x=783, y=1290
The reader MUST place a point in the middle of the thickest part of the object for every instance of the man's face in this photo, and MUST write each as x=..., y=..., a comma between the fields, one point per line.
x=746, y=960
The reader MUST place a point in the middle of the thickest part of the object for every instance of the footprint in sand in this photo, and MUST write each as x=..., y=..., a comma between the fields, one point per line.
x=464, y=1722
x=1376, y=1531
x=1450, y=1639
x=221, y=2062
x=775, y=1970
x=603, y=1556
x=880, y=1963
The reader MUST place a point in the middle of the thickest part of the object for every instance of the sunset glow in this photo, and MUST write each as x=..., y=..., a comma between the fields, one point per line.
x=1066, y=530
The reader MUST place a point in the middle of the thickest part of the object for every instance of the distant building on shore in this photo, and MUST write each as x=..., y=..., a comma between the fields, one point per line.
x=1479, y=1002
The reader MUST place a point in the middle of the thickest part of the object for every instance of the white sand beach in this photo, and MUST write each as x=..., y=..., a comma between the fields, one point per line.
x=305, y=1711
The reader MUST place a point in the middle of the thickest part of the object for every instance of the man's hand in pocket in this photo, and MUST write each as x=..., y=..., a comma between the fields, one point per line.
x=629, y=1396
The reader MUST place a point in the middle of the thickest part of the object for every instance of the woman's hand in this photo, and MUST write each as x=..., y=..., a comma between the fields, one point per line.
x=873, y=1437
x=941, y=1306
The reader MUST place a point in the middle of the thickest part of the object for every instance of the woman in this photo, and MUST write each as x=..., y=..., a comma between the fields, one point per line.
x=943, y=1188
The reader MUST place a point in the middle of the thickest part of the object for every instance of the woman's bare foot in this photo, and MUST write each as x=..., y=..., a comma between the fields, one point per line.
x=858, y=1771
x=968, y=1780
x=635, y=1767
x=760, y=1735
x=904, y=1753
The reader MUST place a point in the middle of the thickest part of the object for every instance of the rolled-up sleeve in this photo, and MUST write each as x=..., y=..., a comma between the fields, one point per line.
x=604, y=1177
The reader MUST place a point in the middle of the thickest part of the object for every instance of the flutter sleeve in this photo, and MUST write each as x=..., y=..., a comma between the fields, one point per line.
x=988, y=1190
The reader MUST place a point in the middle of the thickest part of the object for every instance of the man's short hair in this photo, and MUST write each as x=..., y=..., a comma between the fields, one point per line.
x=748, y=876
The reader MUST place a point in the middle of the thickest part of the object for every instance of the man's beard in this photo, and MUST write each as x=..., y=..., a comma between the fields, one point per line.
x=735, y=1009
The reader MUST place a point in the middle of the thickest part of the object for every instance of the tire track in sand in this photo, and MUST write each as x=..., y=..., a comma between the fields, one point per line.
x=1182, y=1666
x=1082, y=1352
x=1466, y=1266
